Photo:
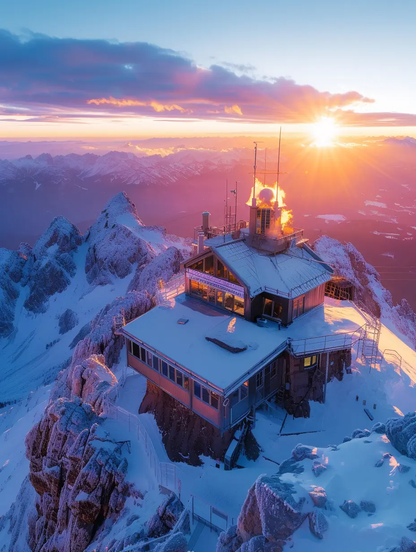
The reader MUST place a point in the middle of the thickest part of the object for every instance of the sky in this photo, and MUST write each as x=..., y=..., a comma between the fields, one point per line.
x=137, y=69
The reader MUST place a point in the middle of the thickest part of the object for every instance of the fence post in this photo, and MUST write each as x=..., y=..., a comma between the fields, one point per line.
x=326, y=375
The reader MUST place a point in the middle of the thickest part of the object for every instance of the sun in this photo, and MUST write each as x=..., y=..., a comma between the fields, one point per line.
x=324, y=132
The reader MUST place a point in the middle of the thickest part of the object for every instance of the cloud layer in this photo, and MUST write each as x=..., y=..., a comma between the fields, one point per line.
x=51, y=79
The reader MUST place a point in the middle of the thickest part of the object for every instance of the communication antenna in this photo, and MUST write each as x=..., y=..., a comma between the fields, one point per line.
x=235, y=192
x=278, y=164
x=265, y=165
x=255, y=169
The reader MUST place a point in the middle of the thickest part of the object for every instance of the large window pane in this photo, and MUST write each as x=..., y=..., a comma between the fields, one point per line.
x=244, y=391
x=155, y=363
x=268, y=305
x=277, y=310
x=238, y=305
x=198, y=266
x=149, y=359
x=197, y=389
x=220, y=270
x=220, y=298
x=172, y=373
x=186, y=383
x=164, y=368
x=205, y=395
x=209, y=265
x=232, y=278
x=196, y=288
x=229, y=301
x=136, y=350
x=142, y=354
x=179, y=378
x=211, y=295
x=214, y=400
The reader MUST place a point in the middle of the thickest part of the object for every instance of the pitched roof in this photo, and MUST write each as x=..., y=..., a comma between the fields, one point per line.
x=289, y=274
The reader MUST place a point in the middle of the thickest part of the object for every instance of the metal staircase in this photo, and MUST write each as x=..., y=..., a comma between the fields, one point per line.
x=370, y=353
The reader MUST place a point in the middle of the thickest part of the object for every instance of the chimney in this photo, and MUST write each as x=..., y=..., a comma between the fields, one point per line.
x=201, y=239
x=205, y=221
x=253, y=217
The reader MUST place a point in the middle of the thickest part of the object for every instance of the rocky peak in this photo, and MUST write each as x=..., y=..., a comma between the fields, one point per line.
x=62, y=234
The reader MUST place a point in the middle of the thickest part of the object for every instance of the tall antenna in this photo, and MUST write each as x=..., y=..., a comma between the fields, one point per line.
x=255, y=169
x=265, y=165
x=278, y=164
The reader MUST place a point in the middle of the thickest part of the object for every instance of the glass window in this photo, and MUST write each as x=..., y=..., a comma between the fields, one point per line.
x=220, y=298
x=244, y=391
x=164, y=368
x=220, y=270
x=209, y=265
x=136, y=350
x=204, y=291
x=211, y=295
x=205, y=395
x=214, y=400
x=155, y=363
x=259, y=379
x=234, y=398
x=179, y=378
x=186, y=383
x=273, y=369
x=268, y=306
x=142, y=354
x=149, y=358
x=229, y=301
x=232, y=278
x=196, y=288
x=309, y=362
x=198, y=266
x=277, y=309
x=171, y=373
x=197, y=389
x=238, y=305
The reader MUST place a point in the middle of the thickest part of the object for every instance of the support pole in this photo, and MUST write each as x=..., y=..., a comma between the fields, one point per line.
x=326, y=375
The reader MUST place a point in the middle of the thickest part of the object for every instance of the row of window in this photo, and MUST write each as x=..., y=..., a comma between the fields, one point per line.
x=241, y=393
x=175, y=375
x=310, y=362
x=216, y=297
x=210, y=265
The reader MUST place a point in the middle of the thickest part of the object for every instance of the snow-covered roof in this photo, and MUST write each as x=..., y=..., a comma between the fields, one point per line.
x=187, y=346
x=290, y=273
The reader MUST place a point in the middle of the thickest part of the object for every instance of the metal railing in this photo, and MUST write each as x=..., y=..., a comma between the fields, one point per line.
x=326, y=343
x=172, y=288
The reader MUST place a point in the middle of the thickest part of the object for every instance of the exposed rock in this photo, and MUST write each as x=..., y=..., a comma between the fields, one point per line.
x=318, y=468
x=412, y=526
x=403, y=468
x=163, y=267
x=256, y=544
x=200, y=437
x=114, y=247
x=229, y=540
x=300, y=452
x=166, y=517
x=412, y=483
x=406, y=545
x=15, y=521
x=67, y=321
x=270, y=509
x=77, y=474
x=11, y=272
x=101, y=338
x=350, y=508
x=360, y=433
x=379, y=463
x=379, y=427
x=318, y=523
x=402, y=434
x=368, y=506
x=318, y=496
x=175, y=543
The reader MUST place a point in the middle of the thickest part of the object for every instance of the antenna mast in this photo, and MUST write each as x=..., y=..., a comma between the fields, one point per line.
x=255, y=171
x=278, y=165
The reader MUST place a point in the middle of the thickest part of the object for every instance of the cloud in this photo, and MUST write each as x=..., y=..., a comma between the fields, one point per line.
x=62, y=79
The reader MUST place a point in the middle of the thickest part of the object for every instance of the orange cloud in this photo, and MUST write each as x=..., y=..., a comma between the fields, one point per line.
x=233, y=109
x=130, y=103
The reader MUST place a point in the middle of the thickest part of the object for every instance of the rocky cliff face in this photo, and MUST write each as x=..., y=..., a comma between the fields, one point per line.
x=349, y=263
x=77, y=473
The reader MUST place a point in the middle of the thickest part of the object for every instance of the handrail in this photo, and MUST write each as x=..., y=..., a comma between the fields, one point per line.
x=329, y=342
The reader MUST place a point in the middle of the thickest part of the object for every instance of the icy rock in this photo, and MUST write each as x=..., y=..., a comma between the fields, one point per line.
x=406, y=545
x=360, y=433
x=175, y=543
x=403, y=468
x=163, y=267
x=67, y=321
x=412, y=526
x=114, y=248
x=368, y=506
x=318, y=469
x=256, y=544
x=379, y=463
x=412, y=483
x=402, y=434
x=101, y=338
x=347, y=439
x=164, y=520
x=300, y=452
x=270, y=509
x=318, y=496
x=379, y=427
x=350, y=508
x=318, y=523
x=229, y=540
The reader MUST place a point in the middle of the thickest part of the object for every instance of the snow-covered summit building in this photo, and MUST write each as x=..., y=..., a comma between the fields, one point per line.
x=252, y=324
